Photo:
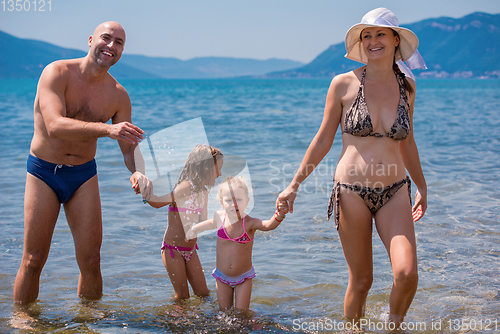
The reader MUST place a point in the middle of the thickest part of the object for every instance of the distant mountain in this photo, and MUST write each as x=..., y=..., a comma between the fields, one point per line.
x=207, y=67
x=25, y=58
x=457, y=48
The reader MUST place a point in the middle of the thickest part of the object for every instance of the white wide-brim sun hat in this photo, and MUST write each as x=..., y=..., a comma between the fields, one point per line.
x=380, y=17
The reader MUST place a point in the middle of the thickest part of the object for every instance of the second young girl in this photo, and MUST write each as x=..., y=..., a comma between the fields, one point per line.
x=234, y=270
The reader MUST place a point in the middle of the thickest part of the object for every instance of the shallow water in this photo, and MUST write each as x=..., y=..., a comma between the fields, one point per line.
x=302, y=274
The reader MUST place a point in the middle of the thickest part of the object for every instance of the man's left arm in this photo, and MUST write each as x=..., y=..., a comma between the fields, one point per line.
x=132, y=156
x=124, y=114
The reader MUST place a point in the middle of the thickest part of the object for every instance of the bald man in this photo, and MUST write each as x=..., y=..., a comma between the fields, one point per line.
x=75, y=98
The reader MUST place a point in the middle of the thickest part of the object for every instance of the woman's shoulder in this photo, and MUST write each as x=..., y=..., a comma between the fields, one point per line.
x=348, y=78
x=344, y=83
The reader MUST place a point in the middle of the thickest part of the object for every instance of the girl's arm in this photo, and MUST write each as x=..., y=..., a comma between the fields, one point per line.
x=275, y=221
x=206, y=225
x=409, y=154
x=323, y=140
x=182, y=190
x=160, y=201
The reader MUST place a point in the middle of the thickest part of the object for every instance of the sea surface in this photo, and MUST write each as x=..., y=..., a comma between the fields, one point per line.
x=301, y=271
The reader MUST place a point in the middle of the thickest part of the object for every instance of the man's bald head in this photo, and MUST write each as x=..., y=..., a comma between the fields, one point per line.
x=110, y=27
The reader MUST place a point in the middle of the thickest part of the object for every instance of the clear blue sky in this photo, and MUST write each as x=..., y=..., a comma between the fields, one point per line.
x=260, y=29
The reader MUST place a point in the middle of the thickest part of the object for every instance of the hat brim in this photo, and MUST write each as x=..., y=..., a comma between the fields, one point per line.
x=408, y=43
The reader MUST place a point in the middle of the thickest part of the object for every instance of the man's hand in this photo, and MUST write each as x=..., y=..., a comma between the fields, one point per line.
x=126, y=131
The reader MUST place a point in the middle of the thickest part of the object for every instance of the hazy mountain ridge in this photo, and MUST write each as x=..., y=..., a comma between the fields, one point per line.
x=452, y=48
x=207, y=67
x=26, y=58
x=456, y=48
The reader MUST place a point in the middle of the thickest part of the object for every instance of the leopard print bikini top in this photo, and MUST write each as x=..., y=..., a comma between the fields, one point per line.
x=358, y=122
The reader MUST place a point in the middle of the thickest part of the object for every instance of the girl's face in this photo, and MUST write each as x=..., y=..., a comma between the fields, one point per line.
x=238, y=205
x=379, y=42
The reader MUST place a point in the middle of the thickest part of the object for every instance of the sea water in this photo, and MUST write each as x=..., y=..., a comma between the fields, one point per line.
x=301, y=271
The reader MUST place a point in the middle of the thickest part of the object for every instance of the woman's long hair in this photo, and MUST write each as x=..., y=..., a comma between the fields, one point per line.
x=408, y=87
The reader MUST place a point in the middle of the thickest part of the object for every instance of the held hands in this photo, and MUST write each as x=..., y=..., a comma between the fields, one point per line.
x=126, y=131
x=142, y=185
x=288, y=195
x=281, y=211
x=420, y=206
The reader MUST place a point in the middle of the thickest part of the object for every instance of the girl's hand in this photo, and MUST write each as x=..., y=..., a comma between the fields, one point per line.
x=283, y=207
x=142, y=185
x=288, y=195
x=191, y=233
x=420, y=206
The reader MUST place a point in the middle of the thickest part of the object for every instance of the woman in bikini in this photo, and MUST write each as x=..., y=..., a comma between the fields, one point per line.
x=374, y=107
x=188, y=205
x=235, y=235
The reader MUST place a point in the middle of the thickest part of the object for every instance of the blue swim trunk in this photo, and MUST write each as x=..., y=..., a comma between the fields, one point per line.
x=63, y=179
x=233, y=281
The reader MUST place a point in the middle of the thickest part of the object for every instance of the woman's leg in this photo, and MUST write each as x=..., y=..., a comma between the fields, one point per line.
x=196, y=276
x=395, y=227
x=242, y=294
x=355, y=231
x=176, y=269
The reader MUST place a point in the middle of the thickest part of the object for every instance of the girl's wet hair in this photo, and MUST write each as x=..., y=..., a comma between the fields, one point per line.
x=199, y=167
x=233, y=182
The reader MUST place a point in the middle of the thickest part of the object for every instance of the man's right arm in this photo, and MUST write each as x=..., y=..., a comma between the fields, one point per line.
x=52, y=106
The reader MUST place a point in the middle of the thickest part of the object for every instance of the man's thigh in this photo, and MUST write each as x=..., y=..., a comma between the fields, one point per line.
x=41, y=209
x=83, y=212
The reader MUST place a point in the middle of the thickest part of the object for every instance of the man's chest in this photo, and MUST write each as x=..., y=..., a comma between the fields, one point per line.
x=90, y=105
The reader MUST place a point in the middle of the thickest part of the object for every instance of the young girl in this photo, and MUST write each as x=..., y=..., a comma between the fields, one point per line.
x=188, y=204
x=234, y=271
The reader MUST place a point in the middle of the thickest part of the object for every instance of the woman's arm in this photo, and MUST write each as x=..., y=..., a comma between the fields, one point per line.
x=323, y=140
x=411, y=159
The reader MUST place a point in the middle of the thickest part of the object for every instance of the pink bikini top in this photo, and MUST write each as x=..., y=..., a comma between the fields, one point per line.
x=191, y=205
x=243, y=239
